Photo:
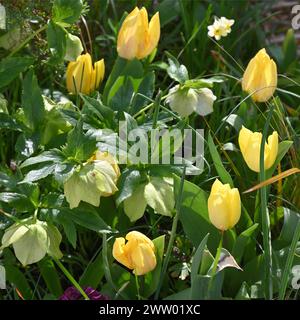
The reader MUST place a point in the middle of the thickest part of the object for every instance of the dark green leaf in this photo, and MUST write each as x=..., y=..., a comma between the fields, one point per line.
x=128, y=182
x=80, y=146
x=224, y=175
x=38, y=174
x=18, y=201
x=11, y=67
x=50, y=276
x=66, y=11
x=8, y=122
x=57, y=39
x=93, y=273
x=32, y=101
x=87, y=217
x=194, y=214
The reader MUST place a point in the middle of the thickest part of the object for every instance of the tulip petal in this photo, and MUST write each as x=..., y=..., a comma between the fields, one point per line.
x=127, y=44
x=97, y=74
x=153, y=35
x=119, y=253
x=260, y=77
x=271, y=150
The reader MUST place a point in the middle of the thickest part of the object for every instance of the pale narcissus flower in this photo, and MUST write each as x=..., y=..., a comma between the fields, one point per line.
x=226, y=24
x=188, y=100
x=82, y=76
x=250, y=143
x=224, y=206
x=95, y=179
x=137, y=37
x=260, y=77
x=220, y=28
x=137, y=254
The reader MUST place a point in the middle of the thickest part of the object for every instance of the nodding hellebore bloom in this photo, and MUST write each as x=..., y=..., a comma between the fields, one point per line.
x=82, y=76
x=260, y=77
x=224, y=206
x=186, y=101
x=250, y=143
x=137, y=38
x=137, y=254
x=32, y=239
x=96, y=178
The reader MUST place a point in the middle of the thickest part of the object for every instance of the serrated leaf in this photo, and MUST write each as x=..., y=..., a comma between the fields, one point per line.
x=67, y=11
x=38, y=174
x=80, y=146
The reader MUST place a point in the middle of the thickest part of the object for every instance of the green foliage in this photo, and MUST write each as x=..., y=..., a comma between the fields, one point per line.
x=48, y=136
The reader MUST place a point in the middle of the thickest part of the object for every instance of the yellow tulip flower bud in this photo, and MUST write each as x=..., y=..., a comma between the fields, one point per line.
x=224, y=206
x=250, y=143
x=82, y=77
x=260, y=77
x=137, y=38
x=138, y=253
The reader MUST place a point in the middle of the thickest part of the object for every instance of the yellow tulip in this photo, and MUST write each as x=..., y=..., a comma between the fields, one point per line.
x=260, y=77
x=224, y=206
x=250, y=143
x=137, y=254
x=137, y=38
x=82, y=77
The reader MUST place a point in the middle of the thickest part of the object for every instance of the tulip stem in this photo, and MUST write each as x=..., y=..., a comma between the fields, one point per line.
x=137, y=287
x=265, y=219
x=173, y=235
x=72, y=280
x=215, y=264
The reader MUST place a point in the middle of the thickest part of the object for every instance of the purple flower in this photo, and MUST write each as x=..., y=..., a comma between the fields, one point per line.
x=72, y=293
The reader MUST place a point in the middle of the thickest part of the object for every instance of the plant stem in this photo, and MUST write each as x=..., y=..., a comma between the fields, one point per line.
x=217, y=258
x=268, y=282
x=156, y=109
x=289, y=262
x=41, y=29
x=137, y=287
x=215, y=264
x=172, y=237
x=70, y=277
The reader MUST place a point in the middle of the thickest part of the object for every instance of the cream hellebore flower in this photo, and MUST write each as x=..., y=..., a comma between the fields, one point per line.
x=96, y=178
x=82, y=76
x=250, y=143
x=137, y=254
x=157, y=193
x=224, y=206
x=186, y=101
x=220, y=28
x=31, y=240
x=137, y=38
x=260, y=77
